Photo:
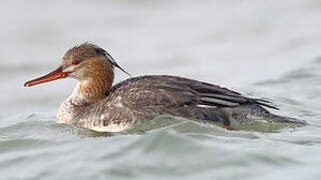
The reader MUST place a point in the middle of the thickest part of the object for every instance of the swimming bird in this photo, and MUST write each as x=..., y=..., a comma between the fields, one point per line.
x=98, y=105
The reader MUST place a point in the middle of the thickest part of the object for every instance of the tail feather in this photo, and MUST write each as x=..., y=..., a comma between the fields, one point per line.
x=285, y=119
x=255, y=112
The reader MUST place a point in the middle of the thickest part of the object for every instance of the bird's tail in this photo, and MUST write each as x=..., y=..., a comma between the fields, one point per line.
x=256, y=117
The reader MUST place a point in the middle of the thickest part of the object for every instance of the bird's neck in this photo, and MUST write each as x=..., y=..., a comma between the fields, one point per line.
x=93, y=89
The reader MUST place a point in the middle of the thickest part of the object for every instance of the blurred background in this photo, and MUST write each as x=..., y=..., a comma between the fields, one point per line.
x=261, y=48
x=224, y=42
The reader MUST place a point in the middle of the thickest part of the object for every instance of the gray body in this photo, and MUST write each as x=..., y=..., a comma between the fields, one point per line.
x=139, y=99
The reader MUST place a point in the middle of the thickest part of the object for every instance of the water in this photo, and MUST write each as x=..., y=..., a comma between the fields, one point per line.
x=267, y=49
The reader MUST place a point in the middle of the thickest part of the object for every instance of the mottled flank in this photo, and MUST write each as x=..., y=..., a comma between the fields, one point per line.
x=96, y=105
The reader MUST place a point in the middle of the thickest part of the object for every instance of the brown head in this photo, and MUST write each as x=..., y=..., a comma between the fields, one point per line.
x=91, y=65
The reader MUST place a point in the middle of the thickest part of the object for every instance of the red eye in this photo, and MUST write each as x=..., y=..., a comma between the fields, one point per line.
x=76, y=61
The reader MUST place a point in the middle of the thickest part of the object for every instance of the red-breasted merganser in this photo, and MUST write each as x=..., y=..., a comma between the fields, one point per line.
x=97, y=105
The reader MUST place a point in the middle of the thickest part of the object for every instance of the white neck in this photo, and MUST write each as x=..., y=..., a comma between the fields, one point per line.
x=88, y=91
x=77, y=97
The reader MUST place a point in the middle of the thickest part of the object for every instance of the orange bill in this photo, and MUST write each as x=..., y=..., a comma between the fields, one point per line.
x=54, y=75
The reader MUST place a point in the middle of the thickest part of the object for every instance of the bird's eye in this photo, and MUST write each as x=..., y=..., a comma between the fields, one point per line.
x=76, y=61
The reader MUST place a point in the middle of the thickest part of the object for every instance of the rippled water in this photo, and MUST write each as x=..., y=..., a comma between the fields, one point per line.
x=262, y=49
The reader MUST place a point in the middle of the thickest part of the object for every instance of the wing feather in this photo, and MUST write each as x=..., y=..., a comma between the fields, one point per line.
x=172, y=91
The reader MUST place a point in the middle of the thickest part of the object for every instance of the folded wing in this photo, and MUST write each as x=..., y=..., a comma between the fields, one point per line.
x=172, y=91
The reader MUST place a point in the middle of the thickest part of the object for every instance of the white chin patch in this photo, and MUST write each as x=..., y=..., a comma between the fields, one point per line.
x=69, y=69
